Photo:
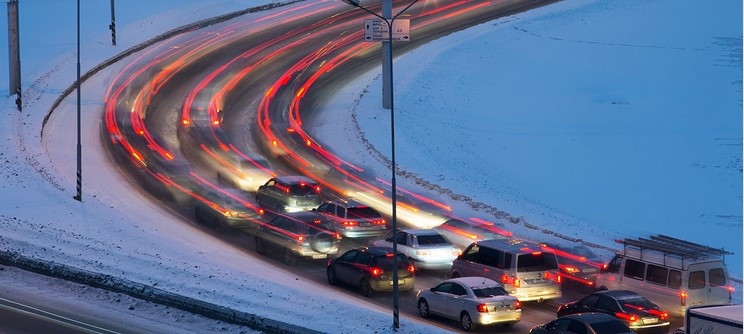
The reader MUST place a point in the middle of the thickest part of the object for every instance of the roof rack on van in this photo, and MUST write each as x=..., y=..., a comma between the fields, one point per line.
x=673, y=246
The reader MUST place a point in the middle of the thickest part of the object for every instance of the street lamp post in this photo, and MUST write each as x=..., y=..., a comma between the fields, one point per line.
x=387, y=11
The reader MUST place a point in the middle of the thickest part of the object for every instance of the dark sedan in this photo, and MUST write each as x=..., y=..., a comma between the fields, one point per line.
x=589, y=323
x=639, y=313
x=371, y=270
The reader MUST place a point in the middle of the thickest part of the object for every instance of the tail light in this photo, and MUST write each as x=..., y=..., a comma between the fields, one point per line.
x=411, y=269
x=571, y=270
x=661, y=314
x=731, y=293
x=516, y=282
x=482, y=308
x=506, y=279
x=517, y=305
x=683, y=298
x=628, y=317
x=350, y=223
x=376, y=272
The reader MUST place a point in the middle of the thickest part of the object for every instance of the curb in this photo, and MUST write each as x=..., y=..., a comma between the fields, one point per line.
x=151, y=294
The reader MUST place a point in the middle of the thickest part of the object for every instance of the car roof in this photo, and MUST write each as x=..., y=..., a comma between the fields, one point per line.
x=513, y=245
x=620, y=294
x=294, y=179
x=378, y=250
x=420, y=231
x=474, y=281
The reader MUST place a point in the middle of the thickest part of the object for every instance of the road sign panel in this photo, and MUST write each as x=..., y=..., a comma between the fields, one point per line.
x=377, y=30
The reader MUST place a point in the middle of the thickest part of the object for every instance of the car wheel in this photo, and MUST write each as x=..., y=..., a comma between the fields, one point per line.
x=322, y=242
x=466, y=321
x=423, y=308
x=366, y=288
x=260, y=247
x=289, y=258
x=331, y=274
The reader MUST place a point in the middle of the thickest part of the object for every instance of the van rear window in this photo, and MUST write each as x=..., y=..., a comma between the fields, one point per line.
x=536, y=262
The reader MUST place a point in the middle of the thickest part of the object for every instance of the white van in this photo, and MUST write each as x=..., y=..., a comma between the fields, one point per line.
x=673, y=273
x=525, y=269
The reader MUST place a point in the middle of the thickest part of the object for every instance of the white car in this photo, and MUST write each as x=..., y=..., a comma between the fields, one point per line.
x=426, y=248
x=474, y=301
x=463, y=233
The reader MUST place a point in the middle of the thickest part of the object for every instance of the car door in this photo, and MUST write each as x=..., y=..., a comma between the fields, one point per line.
x=343, y=266
x=439, y=297
x=455, y=301
x=403, y=239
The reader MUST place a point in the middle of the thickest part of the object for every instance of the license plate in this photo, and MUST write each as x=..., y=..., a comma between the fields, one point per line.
x=400, y=281
x=647, y=321
x=320, y=256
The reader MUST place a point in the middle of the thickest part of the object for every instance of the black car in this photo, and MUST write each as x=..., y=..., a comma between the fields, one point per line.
x=300, y=234
x=635, y=310
x=371, y=270
x=586, y=323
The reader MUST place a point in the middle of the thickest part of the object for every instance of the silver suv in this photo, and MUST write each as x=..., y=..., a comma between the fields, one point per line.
x=353, y=219
x=289, y=194
x=300, y=234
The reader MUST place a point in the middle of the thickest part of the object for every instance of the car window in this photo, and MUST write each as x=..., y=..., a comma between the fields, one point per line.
x=434, y=239
x=363, y=212
x=589, y=301
x=484, y=292
x=386, y=262
x=400, y=238
x=637, y=302
x=365, y=259
x=340, y=211
x=697, y=280
x=607, y=304
x=444, y=287
x=675, y=279
x=634, y=269
x=303, y=189
x=458, y=290
x=349, y=256
x=656, y=274
x=536, y=261
x=577, y=327
x=325, y=207
x=717, y=277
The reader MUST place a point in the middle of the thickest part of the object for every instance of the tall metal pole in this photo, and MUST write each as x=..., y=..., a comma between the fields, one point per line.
x=14, y=52
x=79, y=195
x=112, y=26
x=387, y=57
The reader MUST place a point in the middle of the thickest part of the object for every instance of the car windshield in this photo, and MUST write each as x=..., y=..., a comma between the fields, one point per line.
x=434, y=239
x=536, y=261
x=303, y=190
x=386, y=262
x=489, y=291
x=362, y=212
x=637, y=302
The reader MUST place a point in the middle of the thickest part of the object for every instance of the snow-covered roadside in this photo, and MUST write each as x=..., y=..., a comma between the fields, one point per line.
x=114, y=233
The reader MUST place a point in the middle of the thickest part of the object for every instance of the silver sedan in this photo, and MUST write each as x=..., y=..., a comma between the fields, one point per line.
x=474, y=301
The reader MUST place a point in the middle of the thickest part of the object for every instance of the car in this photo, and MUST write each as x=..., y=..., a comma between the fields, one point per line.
x=426, y=248
x=349, y=179
x=474, y=301
x=291, y=193
x=371, y=270
x=227, y=207
x=461, y=233
x=588, y=323
x=300, y=234
x=636, y=311
x=577, y=262
x=244, y=171
x=353, y=219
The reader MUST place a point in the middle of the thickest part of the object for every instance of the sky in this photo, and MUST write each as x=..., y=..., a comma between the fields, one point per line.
x=588, y=119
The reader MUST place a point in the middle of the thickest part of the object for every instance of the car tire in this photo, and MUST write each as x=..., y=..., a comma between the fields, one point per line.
x=331, y=275
x=366, y=288
x=289, y=258
x=466, y=322
x=260, y=246
x=322, y=242
x=423, y=309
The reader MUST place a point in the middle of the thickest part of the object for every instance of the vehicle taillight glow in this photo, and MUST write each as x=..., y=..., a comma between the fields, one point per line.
x=628, y=317
x=661, y=314
x=516, y=282
x=683, y=298
x=411, y=269
x=517, y=305
x=482, y=308
x=350, y=223
x=376, y=272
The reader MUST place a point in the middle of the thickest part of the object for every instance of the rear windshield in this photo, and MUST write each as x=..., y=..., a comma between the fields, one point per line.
x=386, y=262
x=362, y=212
x=434, y=239
x=303, y=190
x=489, y=292
x=536, y=261
x=635, y=302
